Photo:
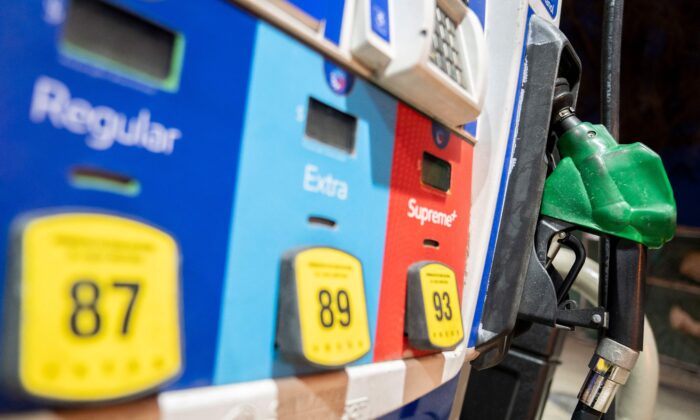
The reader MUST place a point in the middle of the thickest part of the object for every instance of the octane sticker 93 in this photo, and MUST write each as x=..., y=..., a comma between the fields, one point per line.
x=433, y=313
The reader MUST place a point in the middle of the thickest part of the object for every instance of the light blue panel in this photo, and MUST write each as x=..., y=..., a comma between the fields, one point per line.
x=272, y=207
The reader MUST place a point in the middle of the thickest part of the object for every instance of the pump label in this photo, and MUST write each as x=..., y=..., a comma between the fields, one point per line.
x=103, y=125
x=441, y=304
x=326, y=184
x=331, y=306
x=99, y=307
x=425, y=214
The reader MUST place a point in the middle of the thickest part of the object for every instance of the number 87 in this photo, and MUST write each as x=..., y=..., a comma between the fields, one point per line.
x=88, y=306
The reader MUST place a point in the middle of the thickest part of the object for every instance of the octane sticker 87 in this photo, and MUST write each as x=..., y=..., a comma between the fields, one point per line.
x=98, y=311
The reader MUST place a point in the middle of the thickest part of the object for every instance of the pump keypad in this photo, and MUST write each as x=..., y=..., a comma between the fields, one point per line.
x=322, y=317
x=97, y=311
x=433, y=311
x=444, y=52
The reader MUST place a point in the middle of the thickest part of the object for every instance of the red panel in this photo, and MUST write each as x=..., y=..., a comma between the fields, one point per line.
x=405, y=234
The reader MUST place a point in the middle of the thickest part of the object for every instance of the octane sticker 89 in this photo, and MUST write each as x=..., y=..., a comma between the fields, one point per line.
x=323, y=313
x=98, y=308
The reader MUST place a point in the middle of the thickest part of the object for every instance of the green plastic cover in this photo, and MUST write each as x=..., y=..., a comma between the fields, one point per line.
x=616, y=189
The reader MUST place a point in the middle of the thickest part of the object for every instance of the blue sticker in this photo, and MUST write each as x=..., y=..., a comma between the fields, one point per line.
x=339, y=80
x=552, y=6
x=471, y=128
x=441, y=135
x=379, y=16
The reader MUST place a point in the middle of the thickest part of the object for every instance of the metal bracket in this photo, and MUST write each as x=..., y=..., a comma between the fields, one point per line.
x=588, y=318
x=544, y=294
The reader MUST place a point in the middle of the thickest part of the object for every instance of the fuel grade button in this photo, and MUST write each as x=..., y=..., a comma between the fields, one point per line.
x=95, y=308
x=433, y=312
x=322, y=316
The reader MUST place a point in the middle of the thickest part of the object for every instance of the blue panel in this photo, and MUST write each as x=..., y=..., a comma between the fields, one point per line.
x=435, y=405
x=279, y=167
x=501, y=194
x=186, y=190
x=379, y=18
x=328, y=11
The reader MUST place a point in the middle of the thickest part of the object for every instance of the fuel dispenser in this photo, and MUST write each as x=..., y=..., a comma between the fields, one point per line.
x=584, y=179
x=190, y=207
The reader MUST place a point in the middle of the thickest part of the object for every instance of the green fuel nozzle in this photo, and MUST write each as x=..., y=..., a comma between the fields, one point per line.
x=616, y=189
x=622, y=193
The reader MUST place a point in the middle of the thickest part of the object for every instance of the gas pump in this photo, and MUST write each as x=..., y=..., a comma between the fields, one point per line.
x=195, y=208
x=587, y=182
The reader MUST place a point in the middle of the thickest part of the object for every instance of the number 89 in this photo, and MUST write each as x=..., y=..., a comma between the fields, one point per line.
x=327, y=316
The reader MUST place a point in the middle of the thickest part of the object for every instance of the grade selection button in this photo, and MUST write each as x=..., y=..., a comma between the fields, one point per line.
x=322, y=317
x=97, y=308
x=433, y=311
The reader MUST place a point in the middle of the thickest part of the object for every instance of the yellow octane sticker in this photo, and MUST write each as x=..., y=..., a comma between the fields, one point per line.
x=99, y=307
x=442, y=310
x=332, y=308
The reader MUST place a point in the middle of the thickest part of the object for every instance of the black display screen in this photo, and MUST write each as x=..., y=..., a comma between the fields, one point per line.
x=331, y=126
x=436, y=172
x=103, y=32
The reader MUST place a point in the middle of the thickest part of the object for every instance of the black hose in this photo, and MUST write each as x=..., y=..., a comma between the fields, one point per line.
x=611, y=53
x=610, y=65
x=626, y=293
x=584, y=412
x=611, y=57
